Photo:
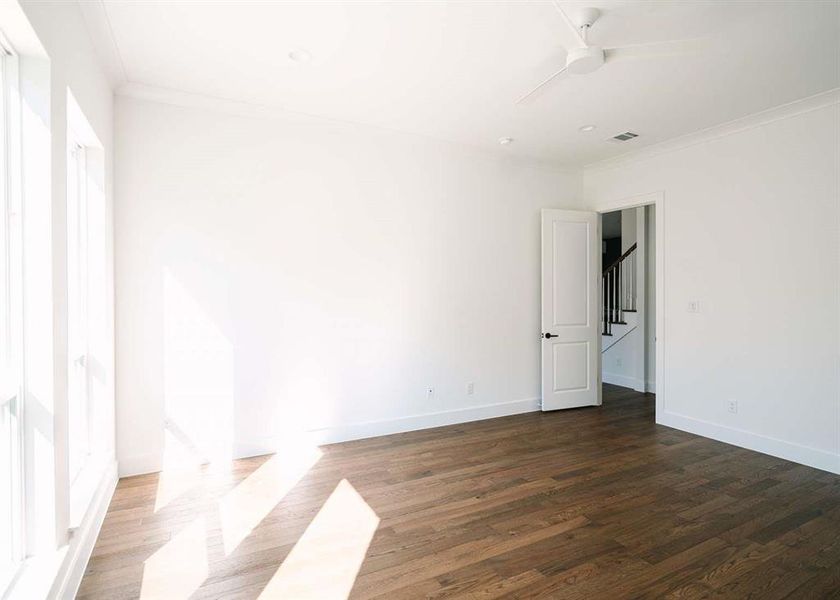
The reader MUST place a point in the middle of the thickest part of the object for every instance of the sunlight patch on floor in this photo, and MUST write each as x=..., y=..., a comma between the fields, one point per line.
x=179, y=567
x=325, y=561
x=242, y=508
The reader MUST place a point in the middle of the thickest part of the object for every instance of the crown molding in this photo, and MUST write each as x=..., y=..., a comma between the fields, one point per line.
x=101, y=33
x=777, y=113
x=150, y=93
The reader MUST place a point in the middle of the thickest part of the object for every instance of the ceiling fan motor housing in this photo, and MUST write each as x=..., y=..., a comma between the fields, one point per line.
x=586, y=17
x=584, y=60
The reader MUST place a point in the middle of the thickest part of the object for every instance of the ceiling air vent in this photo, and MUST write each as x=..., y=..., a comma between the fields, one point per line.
x=623, y=137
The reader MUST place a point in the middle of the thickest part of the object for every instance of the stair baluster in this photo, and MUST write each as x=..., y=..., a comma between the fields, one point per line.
x=618, y=289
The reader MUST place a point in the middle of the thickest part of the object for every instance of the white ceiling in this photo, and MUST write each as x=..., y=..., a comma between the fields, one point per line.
x=453, y=70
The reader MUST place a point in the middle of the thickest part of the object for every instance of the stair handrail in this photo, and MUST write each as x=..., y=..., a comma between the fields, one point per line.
x=613, y=291
x=621, y=258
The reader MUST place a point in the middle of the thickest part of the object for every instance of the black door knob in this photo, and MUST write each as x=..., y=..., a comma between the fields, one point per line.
x=548, y=336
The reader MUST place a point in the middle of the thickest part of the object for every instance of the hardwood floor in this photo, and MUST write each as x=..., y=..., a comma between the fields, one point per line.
x=587, y=503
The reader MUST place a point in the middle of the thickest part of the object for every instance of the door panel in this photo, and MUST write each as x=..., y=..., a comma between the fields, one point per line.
x=569, y=258
x=571, y=262
x=570, y=366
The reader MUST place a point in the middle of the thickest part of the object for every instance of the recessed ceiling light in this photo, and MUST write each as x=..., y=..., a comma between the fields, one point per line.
x=587, y=128
x=300, y=56
x=504, y=141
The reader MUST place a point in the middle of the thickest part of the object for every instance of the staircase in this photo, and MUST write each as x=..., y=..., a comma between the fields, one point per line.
x=618, y=298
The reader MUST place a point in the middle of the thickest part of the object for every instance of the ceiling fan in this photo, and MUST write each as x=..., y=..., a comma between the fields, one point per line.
x=586, y=58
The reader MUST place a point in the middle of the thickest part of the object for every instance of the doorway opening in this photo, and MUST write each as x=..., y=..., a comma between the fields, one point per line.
x=628, y=304
x=585, y=307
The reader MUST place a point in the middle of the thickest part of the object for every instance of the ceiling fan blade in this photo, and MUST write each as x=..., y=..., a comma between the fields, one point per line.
x=542, y=84
x=653, y=49
x=578, y=36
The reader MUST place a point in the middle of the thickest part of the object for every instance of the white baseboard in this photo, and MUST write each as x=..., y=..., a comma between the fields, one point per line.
x=623, y=381
x=140, y=464
x=629, y=382
x=812, y=457
x=151, y=463
x=355, y=431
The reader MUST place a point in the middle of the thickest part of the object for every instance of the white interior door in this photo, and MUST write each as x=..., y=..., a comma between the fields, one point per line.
x=571, y=262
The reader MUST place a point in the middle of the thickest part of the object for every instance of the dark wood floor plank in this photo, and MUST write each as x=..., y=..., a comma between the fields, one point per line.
x=588, y=503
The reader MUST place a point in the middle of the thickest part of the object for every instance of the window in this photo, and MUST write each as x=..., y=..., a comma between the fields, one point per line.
x=11, y=325
x=79, y=413
x=86, y=309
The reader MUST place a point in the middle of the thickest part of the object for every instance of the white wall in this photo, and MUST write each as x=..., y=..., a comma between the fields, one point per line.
x=56, y=53
x=751, y=232
x=277, y=276
x=628, y=228
x=621, y=361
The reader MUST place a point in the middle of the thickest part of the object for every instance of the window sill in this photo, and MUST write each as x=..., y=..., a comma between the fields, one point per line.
x=57, y=573
x=84, y=488
x=36, y=575
x=8, y=578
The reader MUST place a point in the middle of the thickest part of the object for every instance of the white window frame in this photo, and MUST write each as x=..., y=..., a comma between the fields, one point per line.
x=85, y=450
x=11, y=312
x=78, y=396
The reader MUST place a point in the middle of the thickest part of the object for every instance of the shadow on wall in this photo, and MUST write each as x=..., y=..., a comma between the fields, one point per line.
x=251, y=343
x=198, y=379
x=217, y=376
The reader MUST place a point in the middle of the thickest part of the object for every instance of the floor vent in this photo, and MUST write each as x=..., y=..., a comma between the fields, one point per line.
x=623, y=137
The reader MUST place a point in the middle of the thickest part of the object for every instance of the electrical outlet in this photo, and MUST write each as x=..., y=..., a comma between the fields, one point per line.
x=430, y=393
x=732, y=406
x=618, y=361
x=693, y=306
x=470, y=388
